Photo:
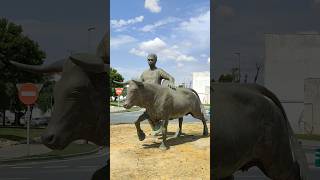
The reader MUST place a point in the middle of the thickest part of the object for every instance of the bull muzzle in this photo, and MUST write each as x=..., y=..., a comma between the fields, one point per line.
x=127, y=105
x=52, y=141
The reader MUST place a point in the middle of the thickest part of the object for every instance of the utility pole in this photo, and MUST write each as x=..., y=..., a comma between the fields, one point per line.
x=238, y=54
x=90, y=29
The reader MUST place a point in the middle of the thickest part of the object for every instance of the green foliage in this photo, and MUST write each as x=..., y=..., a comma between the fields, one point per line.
x=226, y=78
x=45, y=100
x=115, y=76
x=14, y=46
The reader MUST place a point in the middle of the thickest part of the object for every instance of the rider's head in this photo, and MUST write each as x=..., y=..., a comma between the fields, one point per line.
x=152, y=59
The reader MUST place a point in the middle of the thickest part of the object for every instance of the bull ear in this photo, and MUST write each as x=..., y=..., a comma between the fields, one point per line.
x=88, y=62
x=102, y=49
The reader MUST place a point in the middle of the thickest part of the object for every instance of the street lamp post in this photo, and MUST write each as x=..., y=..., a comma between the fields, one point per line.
x=238, y=54
x=89, y=30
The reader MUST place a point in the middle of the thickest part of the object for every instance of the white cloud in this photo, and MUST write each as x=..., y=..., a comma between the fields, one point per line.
x=117, y=41
x=197, y=29
x=180, y=65
x=163, y=51
x=208, y=60
x=152, y=5
x=152, y=27
x=121, y=23
x=203, y=55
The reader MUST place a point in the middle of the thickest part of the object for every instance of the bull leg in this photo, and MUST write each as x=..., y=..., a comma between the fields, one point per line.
x=179, y=130
x=140, y=133
x=205, y=127
x=156, y=130
x=204, y=122
x=163, y=145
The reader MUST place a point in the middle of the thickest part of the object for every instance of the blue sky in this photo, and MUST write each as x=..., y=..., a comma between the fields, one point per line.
x=176, y=30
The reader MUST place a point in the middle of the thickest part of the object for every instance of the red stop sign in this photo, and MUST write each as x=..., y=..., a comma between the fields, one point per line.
x=118, y=91
x=28, y=93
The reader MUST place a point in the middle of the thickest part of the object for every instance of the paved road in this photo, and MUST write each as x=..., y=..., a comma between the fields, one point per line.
x=130, y=117
x=79, y=168
x=256, y=174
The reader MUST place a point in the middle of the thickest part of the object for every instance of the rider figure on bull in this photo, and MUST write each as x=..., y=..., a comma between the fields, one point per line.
x=158, y=76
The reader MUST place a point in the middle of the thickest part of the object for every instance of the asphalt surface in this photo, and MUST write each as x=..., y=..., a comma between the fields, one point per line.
x=78, y=168
x=255, y=174
x=130, y=117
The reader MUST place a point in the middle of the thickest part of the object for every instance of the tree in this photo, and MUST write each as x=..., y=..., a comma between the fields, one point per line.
x=258, y=68
x=45, y=100
x=115, y=76
x=226, y=78
x=4, y=101
x=14, y=46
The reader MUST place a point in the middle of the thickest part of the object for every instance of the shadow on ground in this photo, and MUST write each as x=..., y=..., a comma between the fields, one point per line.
x=172, y=141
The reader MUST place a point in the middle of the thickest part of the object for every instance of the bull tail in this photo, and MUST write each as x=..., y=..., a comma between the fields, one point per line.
x=298, y=154
x=203, y=111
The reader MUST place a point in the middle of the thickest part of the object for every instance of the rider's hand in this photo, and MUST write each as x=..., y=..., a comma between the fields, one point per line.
x=171, y=85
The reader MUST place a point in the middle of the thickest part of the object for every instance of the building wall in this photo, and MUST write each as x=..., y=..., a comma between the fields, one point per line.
x=200, y=83
x=290, y=59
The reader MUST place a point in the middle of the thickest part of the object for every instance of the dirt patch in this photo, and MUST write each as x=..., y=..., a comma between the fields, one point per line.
x=187, y=158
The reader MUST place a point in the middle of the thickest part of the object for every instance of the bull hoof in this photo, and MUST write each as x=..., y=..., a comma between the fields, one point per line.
x=156, y=133
x=157, y=127
x=142, y=136
x=163, y=146
x=177, y=134
x=205, y=133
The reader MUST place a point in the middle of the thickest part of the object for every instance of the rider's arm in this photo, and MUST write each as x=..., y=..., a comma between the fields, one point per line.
x=141, y=78
x=167, y=76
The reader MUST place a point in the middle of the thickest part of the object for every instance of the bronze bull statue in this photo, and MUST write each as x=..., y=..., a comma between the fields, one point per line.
x=164, y=103
x=250, y=128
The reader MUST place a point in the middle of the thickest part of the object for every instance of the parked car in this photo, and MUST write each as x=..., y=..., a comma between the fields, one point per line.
x=40, y=121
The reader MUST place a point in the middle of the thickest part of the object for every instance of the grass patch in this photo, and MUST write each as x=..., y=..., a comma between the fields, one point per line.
x=134, y=108
x=18, y=134
x=115, y=103
x=308, y=137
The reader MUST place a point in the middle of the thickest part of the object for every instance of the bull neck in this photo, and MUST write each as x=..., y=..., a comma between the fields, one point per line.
x=150, y=94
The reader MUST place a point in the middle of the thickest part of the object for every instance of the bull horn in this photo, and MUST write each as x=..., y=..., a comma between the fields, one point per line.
x=122, y=83
x=44, y=68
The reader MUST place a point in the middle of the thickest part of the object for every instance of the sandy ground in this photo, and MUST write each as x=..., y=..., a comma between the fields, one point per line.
x=187, y=158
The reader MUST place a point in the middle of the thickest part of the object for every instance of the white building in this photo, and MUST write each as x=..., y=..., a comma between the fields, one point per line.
x=201, y=84
x=292, y=72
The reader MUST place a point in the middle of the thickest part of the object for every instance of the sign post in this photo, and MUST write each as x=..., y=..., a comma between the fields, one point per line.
x=28, y=94
x=118, y=92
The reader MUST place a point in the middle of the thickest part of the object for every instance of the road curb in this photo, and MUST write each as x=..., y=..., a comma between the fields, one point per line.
x=9, y=161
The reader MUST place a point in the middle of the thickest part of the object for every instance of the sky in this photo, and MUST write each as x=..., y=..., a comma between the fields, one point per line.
x=60, y=27
x=239, y=26
x=177, y=31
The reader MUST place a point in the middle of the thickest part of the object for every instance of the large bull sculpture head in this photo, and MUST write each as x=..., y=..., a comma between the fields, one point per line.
x=80, y=98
